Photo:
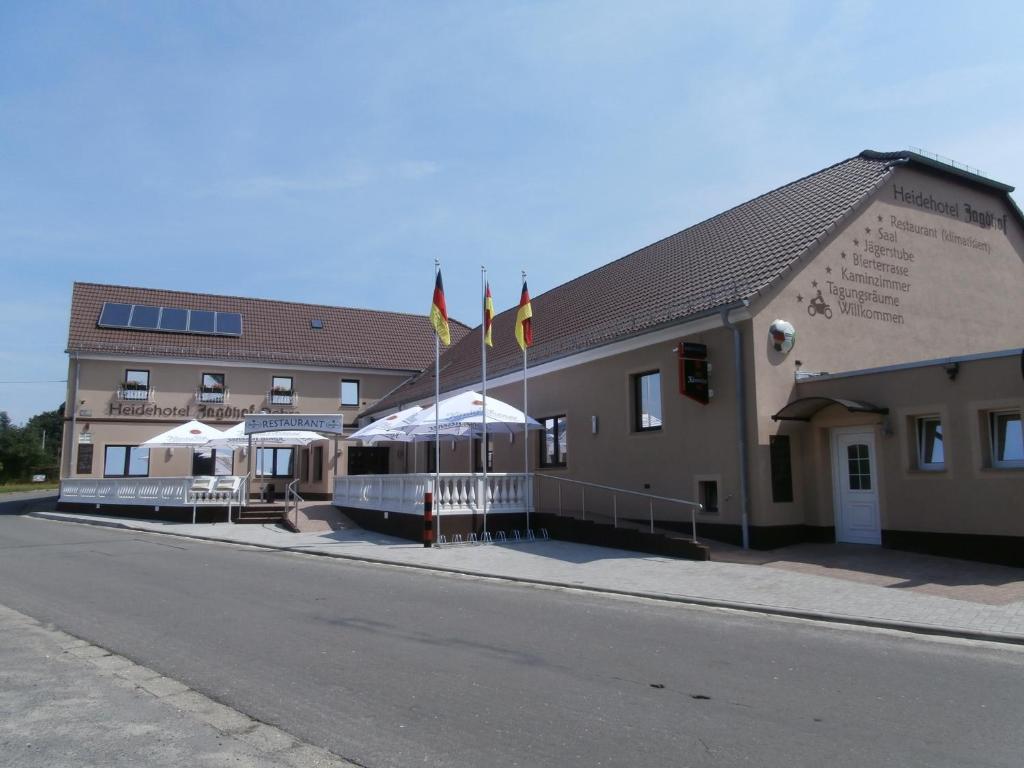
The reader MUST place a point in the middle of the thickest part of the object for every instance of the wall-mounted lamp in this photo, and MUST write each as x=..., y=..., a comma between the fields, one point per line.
x=952, y=369
x=593, y=424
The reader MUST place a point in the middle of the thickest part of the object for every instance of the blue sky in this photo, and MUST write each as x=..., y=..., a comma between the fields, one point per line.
x=328, y=152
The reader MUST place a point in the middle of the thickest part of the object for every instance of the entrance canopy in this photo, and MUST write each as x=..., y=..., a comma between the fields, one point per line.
x=805, y=408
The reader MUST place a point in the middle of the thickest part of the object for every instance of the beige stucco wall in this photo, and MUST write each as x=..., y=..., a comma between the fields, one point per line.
x=968, y=495
x=695, y=440
x=110, y=421
x=953, y=299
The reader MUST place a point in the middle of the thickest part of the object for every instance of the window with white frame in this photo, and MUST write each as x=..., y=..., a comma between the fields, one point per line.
x=349, y=392
x=931, y=454
x=1007, y=439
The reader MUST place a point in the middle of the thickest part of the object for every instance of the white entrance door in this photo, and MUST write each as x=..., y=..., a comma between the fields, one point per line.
x=855, y=483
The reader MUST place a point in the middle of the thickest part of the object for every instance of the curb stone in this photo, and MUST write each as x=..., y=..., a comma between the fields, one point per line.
x=933, y=630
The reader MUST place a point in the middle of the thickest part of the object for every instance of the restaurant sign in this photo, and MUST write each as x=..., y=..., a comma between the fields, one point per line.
x=331, y=423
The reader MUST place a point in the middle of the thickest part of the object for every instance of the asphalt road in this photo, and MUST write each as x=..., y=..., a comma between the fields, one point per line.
x=394, y=667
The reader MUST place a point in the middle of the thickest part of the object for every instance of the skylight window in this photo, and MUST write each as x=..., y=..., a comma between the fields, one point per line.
x=316, y=325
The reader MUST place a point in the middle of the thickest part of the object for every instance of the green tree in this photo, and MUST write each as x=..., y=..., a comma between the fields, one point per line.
x=25, y=451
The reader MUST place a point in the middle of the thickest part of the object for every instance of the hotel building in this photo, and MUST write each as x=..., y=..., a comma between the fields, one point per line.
x=838, y=359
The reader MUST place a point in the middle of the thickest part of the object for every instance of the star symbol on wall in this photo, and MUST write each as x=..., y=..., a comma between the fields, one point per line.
x=799, y=298
x=856, y=242
x=828, y=270
x=814, y=283
x=879, y=218
x=867, y=230
x=843, y=254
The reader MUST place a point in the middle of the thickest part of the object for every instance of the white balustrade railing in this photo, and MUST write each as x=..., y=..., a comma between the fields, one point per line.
x=156, y=491
x=457, y=493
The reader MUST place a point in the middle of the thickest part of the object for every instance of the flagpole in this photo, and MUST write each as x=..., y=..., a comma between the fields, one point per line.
x=526, y=438
x=483, y=362
x=437, y=422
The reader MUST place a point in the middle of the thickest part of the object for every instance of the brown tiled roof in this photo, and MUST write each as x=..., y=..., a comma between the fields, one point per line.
x=728, y=257
x=272, y=331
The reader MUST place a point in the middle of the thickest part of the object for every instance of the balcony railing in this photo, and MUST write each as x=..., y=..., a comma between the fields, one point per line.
x=280, y=397
x=220, y=491
x=211, y=395
x=457, y=494
x=133, y=393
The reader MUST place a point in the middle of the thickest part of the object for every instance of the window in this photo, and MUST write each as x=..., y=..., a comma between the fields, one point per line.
x=136, y=385
x=349, y=392
x=782, y=468
x=858, y=463
x=930, y=453
x=281, y=391
x=208, y=461
x=647, y=401
x=431, y=447
x=274, y=462
x=478, y=465
x=554, y=443
x=212, y=389
x=707, y=492
x=318, y=464
x=125, y=461
x=1007, y=439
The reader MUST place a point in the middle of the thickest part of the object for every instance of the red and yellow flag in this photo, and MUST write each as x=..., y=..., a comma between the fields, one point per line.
x=439, y=313
x=488, y=315
x=524, y=322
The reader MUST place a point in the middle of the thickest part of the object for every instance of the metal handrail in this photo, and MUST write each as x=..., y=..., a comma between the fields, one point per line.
x=693, y=505
x=291, y=494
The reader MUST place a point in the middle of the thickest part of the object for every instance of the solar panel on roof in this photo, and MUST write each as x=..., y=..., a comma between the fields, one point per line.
x=115, y=315
x=229, y=323
x=144, y=317
x=201, y=321
x=173, y=319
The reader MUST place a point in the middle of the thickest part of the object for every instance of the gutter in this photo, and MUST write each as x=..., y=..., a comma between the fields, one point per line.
x=741, y=417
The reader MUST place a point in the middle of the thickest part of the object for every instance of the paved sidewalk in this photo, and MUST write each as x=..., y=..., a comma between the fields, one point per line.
x=67, y=703
x=800, y=586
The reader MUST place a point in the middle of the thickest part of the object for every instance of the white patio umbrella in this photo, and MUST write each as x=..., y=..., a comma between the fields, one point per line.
x=193, y=434
x=387, y=429
x=235, y=437
x=463, y=416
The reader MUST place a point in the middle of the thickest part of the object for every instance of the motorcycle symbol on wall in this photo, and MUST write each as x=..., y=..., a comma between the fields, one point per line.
x=817, y=306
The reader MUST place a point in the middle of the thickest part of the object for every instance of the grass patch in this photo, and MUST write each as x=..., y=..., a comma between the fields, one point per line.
x=22, y=487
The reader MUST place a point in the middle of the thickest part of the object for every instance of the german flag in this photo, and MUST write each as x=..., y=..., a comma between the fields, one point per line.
x=439, y=313
x=524, y=322
x=488, y=315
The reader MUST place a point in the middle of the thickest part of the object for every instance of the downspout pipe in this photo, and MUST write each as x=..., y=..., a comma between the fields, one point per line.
x=69, y=449
x=741, y=419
